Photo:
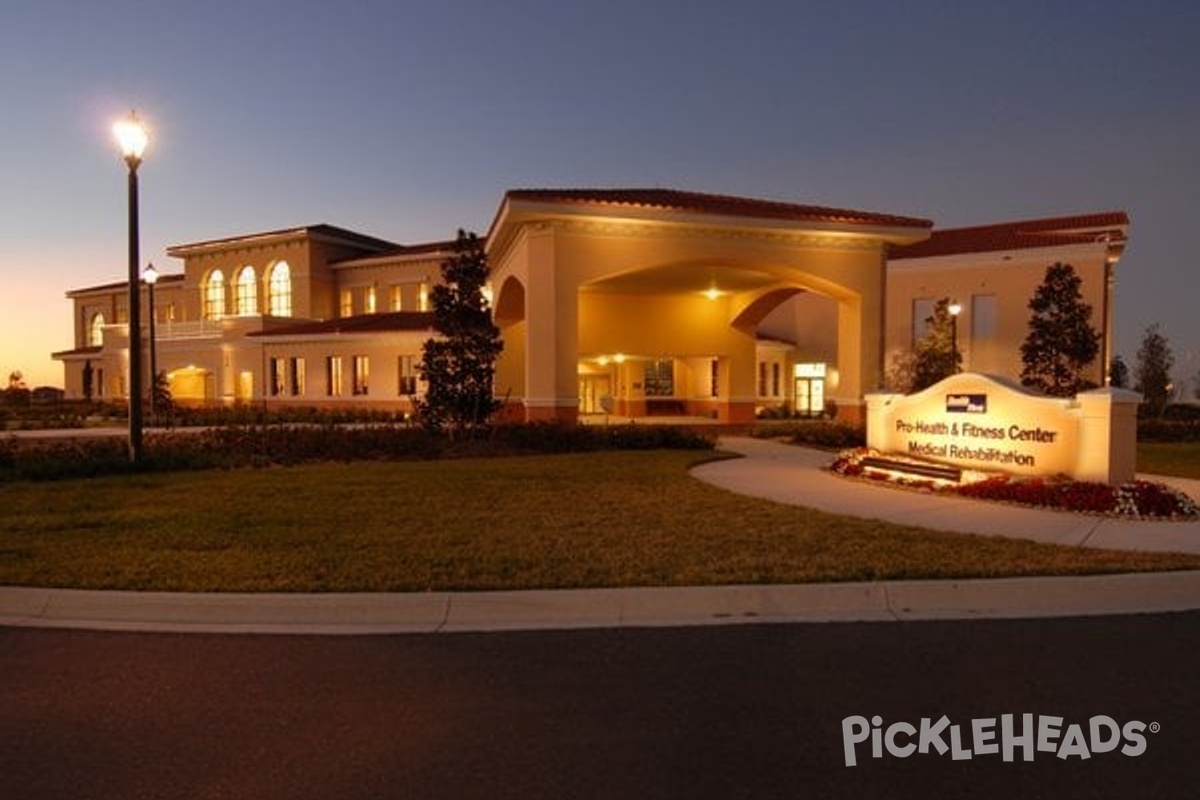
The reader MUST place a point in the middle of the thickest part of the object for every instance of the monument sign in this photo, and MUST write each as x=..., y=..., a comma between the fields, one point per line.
x=984, y=422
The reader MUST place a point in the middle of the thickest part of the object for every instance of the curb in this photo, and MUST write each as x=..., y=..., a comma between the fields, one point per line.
x=455, y=612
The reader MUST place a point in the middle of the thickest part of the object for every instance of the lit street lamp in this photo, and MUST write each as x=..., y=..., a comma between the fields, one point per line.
x=132, y=137
x=955, y=309
x=150, y=276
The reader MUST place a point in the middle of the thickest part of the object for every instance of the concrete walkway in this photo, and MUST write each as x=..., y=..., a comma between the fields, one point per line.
x=779, y=472
x=796, y=475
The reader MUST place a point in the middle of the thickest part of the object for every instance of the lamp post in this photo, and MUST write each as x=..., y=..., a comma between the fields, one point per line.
x=150, y=276
x=131, y=135
x=955, y=309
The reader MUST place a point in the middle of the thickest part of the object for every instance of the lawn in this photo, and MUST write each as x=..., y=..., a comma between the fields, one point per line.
x=599, y=519
x=1169, y=458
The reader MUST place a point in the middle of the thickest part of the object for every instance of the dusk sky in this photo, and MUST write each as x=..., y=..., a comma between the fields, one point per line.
x=408, y=120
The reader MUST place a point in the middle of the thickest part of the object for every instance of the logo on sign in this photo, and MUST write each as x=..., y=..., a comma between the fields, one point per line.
x=966, y=403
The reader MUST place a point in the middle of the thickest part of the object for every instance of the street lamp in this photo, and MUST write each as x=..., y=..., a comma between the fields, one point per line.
x=955, y=309
x=150, y=276
x=131, y=135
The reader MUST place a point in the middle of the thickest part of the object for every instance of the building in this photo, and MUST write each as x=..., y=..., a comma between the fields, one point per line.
x=638, y=302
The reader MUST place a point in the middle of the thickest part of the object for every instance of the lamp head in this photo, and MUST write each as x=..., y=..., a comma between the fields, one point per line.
x=131, y=136
x=150, y=274
x=955, y=309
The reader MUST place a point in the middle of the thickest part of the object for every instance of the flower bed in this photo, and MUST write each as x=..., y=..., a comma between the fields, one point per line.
x=1138, y=499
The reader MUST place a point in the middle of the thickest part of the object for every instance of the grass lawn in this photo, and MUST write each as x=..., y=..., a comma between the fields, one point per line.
x=1169, y=458
x=601, y=519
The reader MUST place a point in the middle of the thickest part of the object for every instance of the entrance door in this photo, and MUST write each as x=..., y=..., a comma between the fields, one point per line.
x=591, y=389
x=810, y=396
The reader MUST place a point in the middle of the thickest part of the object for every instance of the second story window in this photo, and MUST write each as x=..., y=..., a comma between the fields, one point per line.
x=95, y=335
x=279, y=290
x=247, y=293
x=214, y=295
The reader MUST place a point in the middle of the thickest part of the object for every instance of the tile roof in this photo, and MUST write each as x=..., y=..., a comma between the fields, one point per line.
x=321, y=231
x=1110, y=226
x=698, y=202
x=363, y=323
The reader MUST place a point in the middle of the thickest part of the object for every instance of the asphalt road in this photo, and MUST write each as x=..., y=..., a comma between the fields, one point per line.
x=751, y=711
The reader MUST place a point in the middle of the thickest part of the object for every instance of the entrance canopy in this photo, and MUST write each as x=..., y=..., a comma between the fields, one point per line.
x=663, y=291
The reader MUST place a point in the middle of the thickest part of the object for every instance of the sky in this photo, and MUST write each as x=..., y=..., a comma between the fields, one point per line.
x=408, y=120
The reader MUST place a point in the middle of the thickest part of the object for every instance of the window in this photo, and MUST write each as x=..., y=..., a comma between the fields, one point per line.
x=660, y=378
x=214, y=295
x=279, y=290
x=362, y=372
x=714, y=374
x=276, y=369
x=333, y=376
x=346, y=306
x=922, y=311
x=762, y=379
x=95, y=336
x=775, y=379
x=983, y=317
x=408, y=375
x=296, y=374
x=369, y=299
x=396, y=297
x=246, y=298
x=423, y=297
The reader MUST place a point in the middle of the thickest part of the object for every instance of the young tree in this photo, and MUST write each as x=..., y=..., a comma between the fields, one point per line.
x=936, y=357
x=459, y=365
x=1118, y=373
x=1153, y=371
x=1062, y=342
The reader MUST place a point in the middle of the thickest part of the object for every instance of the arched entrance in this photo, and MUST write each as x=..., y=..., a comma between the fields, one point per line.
x=660, y=303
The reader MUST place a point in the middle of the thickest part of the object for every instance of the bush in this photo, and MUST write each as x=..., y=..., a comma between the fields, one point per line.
x=815, y=433
x=239, y=446
x=1168, y=430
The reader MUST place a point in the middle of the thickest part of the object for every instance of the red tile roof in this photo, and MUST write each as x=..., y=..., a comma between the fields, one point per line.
x=1111, y=226
x=712, y=204
x=362, y=323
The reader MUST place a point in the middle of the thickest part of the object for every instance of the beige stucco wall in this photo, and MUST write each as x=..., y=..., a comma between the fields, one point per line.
x=1012, y=277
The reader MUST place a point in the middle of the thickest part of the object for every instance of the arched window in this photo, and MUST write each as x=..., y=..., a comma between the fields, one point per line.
x=279, y=290
x=246, y=298
x=95, y=335
x=214, y=295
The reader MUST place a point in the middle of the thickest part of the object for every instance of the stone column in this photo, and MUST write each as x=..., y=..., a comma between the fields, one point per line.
x=1107, y=435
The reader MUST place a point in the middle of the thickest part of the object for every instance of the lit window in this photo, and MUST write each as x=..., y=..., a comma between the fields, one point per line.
x=396, y=295
x=214, y=295
x=96, y=330
x=247, y=293
x=659, y=377
x=277, y=367
x=347, y=303
x=369, y=299
x=408, y=375
x=279, y=290
x=333, y=376
x=297, y=376
x=362, y=373
x=423, y=297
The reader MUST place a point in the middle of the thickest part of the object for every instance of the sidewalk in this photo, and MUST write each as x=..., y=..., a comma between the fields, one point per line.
x=795, y=475
x=778, y=472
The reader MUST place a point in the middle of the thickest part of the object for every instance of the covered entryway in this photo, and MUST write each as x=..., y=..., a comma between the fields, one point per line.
x=660, y=296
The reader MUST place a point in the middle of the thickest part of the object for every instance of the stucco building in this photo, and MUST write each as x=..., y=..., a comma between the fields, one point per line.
x=638, y=302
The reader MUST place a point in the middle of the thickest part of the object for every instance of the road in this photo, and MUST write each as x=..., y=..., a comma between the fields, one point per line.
x=752, y=711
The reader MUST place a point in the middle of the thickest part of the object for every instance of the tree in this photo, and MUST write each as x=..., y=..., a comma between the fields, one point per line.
x=1062, y=342
x=1118, y=373
x=936, y=357
x=1153, y=371
x=459, y=365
